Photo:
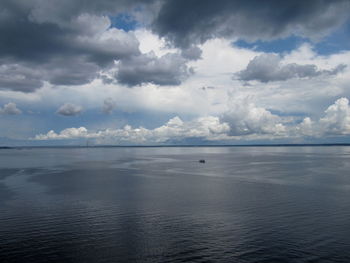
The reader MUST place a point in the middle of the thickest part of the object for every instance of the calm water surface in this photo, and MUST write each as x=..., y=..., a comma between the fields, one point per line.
x=245, y=204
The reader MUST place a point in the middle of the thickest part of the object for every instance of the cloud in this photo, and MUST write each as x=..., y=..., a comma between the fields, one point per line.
x=73, y=42
x=204, y=127
x=242, y=121
x=108, y=105
x=335, y=122
x=337, y=118
x=69, y=109
x=269, y=67
x=38, y=46
x=208, y=128
x=244, y=118
x=19, y=77
x=169, y=69
x=42, y=43
x=37, y=31
x=192, y=53
x=10, y=109
x=188, y=22
x=60, y=11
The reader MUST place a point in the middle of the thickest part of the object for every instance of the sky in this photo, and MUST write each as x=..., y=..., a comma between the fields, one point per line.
x=167, y=72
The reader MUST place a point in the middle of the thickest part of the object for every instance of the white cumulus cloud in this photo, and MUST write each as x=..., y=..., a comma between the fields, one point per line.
x=335, y=122
x=209, y=128
x=245, y=118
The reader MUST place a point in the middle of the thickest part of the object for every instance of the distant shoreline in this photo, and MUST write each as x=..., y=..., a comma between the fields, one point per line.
x=177, y=146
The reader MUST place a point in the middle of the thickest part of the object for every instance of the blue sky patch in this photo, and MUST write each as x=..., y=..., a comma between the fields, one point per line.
x=123, y=21
x=275, y=46
x=336, y=42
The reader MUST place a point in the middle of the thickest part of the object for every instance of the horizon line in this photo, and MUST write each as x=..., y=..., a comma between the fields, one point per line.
x=179, y=145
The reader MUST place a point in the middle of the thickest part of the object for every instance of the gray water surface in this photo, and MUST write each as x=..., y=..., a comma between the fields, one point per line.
x=245, y=204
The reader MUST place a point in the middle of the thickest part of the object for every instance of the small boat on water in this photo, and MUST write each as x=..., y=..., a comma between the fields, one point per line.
x=202, y=161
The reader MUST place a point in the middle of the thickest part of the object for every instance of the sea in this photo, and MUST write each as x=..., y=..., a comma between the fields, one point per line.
x=160, y=204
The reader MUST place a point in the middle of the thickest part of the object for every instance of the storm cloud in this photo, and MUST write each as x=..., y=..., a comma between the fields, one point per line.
x=185, y=22
x=64, y=44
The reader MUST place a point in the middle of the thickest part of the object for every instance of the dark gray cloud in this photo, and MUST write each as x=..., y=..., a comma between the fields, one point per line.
x=59, y=11
x=69, y=109
x=191, y=53
x=19, y=77
x=71, y=42
x=185, y=22
x=10, y=109
x=68, y=71
x=170, y=69
x=268, y=67
x=62, y=42
x=75, y=41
